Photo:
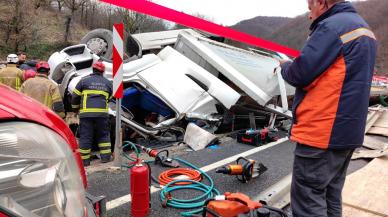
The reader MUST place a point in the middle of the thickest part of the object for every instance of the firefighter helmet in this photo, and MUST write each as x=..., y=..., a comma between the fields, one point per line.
x=29, y=73
x=42, y=67
x=99, y=66
x=12, y=58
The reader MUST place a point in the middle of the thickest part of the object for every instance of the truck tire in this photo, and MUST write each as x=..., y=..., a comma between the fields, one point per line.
x=100, y=42
x=132, y=49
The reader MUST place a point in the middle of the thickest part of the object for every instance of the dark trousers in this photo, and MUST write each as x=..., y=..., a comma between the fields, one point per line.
x=317, y=181
x=91, y=130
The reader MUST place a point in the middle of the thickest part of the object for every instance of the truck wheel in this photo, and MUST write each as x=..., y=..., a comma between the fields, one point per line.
x=100, y=42
x=132, y=49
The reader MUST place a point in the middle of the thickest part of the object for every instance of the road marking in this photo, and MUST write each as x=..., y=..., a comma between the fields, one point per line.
x=127, y=198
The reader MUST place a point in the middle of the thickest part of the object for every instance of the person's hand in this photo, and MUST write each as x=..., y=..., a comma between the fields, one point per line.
x=282, y=61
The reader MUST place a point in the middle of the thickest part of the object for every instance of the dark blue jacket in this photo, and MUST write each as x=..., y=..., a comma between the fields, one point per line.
x=333, y=77
x=30, y=64
x=91, y=96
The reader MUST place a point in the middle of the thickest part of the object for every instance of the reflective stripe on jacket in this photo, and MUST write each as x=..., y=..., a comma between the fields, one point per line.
x=333, y=77
x=91, y=96
x=45, y=91
x=11, y=76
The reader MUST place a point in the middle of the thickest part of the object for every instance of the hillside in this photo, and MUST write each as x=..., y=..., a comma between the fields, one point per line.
x=261, y=26
x=39, y=34
x=294, y=32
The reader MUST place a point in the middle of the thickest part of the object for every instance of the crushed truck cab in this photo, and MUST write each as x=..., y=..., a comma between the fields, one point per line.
x=191, y=78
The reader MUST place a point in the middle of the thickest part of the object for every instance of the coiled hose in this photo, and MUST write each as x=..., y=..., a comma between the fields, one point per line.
x=209, y=191
x=169, y=176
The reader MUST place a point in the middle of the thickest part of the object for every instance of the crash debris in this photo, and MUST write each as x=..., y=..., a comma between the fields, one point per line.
x=178, y=77
x=360, y=193
x=198, y=138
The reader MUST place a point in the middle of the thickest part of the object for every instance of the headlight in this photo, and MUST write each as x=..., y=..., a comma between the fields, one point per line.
x=38, y=171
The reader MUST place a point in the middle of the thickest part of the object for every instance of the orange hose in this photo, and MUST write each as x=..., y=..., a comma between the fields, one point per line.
x=172, y=174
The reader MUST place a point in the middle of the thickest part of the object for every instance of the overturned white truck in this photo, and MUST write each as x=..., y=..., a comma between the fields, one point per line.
x=191, y=79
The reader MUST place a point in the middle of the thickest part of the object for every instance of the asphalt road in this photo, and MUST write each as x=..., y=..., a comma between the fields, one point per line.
x=278, y=160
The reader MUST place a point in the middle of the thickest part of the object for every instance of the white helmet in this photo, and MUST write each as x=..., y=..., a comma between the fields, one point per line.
x=12, y=58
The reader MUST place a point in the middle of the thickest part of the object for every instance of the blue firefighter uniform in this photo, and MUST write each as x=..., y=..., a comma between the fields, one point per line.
x=91, y=96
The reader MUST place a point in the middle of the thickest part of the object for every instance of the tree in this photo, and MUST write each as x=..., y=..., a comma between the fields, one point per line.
x=73, y=6
x=137, y=23
x=58, y=4
x=198, y=15
x=20, y=28
x=40, y=3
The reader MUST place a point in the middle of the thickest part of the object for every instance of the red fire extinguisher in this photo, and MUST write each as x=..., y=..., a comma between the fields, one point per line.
x=140, y=190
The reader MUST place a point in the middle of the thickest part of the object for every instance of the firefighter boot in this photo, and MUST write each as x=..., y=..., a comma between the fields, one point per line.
x=106, y=158
x=86, y=163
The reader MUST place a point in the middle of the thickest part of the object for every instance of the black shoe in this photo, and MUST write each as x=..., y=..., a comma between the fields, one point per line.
x=106, y=159
x=86, y=163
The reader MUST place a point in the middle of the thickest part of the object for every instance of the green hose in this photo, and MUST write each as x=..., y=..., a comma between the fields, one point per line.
x=382, y=100
x=137, y=151
x=209, y=191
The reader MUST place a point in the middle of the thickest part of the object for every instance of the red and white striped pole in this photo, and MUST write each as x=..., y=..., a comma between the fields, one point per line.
x=118, y=51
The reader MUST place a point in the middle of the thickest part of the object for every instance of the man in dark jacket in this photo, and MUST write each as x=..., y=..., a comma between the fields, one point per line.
x=22, y=58
x=29, y=65
x=90, y=97
x=332, y=77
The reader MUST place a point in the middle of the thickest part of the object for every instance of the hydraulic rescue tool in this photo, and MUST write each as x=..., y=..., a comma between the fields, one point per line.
x=161, y=157
x=254, y=136
x=244, y=169
x=238, y=205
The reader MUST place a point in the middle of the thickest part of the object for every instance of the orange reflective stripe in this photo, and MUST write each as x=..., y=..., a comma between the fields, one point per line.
x=317, y=112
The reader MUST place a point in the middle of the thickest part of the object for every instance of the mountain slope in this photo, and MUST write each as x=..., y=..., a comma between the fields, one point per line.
x=293, y=32
x=261, y=26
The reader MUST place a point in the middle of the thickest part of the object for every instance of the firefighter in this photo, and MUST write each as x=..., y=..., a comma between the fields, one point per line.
x=43, y=90
x=90, y=97
x=11, y=75
x=29, y=73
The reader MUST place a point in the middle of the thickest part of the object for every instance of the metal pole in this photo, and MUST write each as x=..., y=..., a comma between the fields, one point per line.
x=118, y=145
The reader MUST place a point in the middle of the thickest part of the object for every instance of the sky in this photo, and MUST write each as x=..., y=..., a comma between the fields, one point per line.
x=229, y=12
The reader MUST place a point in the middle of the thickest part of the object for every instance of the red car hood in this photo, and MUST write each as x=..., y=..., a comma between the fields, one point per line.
x=16, y=106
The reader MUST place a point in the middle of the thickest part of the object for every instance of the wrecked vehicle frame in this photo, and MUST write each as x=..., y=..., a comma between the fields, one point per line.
x=195, y=80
